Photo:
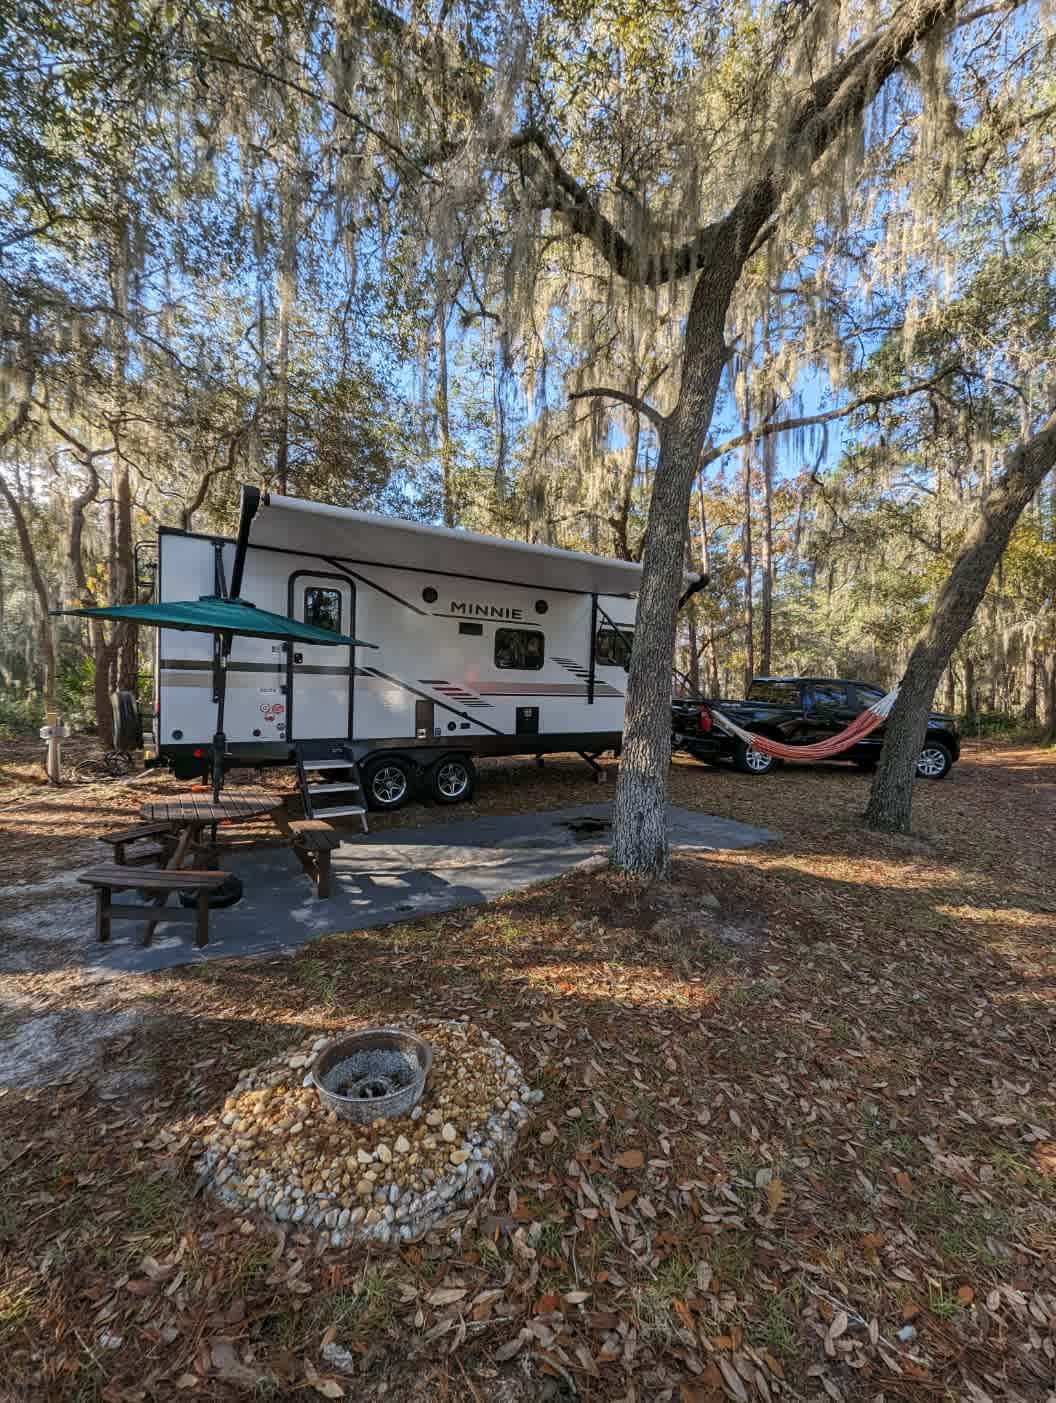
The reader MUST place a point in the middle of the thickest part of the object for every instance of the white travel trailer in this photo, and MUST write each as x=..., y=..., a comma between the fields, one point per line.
x=483, y=647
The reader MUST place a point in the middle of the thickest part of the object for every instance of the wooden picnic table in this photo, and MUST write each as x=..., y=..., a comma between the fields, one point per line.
x=193, y=812
x=200, y=810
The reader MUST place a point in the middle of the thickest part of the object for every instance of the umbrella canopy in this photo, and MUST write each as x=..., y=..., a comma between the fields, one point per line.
x=211, y=614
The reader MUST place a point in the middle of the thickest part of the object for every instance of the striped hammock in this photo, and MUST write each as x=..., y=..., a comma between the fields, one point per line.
x=859, y=728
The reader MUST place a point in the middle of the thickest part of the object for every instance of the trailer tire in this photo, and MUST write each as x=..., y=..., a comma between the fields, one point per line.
x=452, y=779
x=388, y=782
x=128, y=724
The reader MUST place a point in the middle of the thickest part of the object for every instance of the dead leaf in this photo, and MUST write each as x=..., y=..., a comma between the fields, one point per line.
x=840, y=1321
x=576, y=1298
x=776, y=1193
x=630, y=1159
x=446, y=1295
x=965, y=1295
x=329, y=1388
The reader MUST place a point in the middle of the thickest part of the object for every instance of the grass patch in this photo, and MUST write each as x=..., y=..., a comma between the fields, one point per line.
x=654, y=1305
x=365, y=1309
x=730, y=1255
x=318, y=978
x=263, y=1041
x=775, y=1325
x=15, y=1306
x=154, y=1205
x=965, y=1232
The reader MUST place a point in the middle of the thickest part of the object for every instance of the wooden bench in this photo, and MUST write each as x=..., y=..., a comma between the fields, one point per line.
x=126, y=837
x=313, y=841
x=113, y=877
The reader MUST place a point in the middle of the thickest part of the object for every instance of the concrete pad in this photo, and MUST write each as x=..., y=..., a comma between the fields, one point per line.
x=381, y=878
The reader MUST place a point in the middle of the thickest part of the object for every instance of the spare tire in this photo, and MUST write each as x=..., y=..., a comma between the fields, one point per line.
x=128, y=725
x=227, y=894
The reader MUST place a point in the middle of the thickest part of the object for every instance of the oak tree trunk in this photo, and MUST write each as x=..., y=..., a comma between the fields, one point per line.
x=891, y=799
x=833, y=100
x=640, y=818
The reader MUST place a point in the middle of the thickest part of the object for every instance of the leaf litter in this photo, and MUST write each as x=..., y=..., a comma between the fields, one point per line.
x=815, y=1164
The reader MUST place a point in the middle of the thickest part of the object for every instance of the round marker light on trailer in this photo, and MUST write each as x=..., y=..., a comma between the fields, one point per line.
x=198, y=753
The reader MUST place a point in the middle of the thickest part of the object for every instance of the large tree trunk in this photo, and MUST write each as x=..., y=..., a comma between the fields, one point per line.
x=640, y=819
x=719, y=251
x=1027, y=465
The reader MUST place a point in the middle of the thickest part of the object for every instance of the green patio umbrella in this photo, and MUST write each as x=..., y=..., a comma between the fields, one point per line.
x=225, y=618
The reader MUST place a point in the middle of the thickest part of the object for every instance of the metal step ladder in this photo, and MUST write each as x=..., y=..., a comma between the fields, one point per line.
x=331, y=788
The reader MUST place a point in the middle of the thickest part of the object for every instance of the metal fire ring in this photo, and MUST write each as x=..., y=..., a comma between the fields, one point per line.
x=375, y=1075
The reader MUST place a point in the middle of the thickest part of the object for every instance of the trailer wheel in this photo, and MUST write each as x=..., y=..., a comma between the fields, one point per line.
x=128, y=725
x=452, y=779
x=388, y=781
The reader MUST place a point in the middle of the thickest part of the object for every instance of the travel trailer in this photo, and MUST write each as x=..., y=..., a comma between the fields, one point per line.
x=483, y=647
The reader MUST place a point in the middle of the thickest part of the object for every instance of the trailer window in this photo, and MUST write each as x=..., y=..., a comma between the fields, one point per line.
x=521, y=648
x=612, y=647
x=322, y=607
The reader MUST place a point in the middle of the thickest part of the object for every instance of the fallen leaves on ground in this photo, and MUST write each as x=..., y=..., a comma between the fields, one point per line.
x=798, y=1144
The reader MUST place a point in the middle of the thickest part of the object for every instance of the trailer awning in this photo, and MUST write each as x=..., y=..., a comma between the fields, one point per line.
x=315, y=528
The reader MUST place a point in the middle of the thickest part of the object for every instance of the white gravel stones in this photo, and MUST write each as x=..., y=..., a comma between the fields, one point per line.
x=276, y=1150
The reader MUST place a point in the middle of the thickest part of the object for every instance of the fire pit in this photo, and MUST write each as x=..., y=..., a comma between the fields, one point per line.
x=372, y=1076
x=309, y=1137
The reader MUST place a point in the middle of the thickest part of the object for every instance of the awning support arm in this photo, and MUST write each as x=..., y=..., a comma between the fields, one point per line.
x=249, y=503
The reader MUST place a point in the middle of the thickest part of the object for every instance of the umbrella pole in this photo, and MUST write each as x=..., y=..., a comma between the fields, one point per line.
x=219, y=739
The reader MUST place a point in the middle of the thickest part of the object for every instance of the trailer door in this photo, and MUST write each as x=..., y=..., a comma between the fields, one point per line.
x=320, y=678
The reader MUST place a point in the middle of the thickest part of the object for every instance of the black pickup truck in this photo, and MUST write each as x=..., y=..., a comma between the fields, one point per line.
x=800, y=710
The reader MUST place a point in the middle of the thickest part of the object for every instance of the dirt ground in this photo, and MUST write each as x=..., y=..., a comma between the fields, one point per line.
x=797, y=1140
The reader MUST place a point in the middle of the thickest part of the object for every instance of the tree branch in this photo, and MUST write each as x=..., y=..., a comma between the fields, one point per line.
x=640, y=406
x=777, y=426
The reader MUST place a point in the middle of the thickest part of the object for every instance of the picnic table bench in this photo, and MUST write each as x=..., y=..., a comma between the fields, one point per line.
x=161, y=881
x=138, y=834
x=313, y=841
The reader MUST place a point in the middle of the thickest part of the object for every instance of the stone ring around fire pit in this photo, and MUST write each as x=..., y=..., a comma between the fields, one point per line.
x=376, y=1075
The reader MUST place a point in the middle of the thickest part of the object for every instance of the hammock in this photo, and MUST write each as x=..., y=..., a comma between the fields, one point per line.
x=859, y=728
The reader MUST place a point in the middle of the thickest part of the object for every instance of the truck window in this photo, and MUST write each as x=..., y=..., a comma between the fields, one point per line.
x=780, y=693
x=322, y=607
x=521, y=648
x=612, y=647
x=826, y=695
x=868, y=696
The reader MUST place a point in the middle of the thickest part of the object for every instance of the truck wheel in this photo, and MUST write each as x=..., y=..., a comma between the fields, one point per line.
x=452, y=779
x=934, y=761
x=752, y=762
x=128, y=727
x=388, y=781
